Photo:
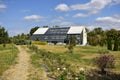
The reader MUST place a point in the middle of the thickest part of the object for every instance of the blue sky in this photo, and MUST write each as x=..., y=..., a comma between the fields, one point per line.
x=19, y=16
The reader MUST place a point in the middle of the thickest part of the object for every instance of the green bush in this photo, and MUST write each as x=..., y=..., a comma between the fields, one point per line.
x=21, y=42
x=103, y=51
x=33, y=48
x=57, y=67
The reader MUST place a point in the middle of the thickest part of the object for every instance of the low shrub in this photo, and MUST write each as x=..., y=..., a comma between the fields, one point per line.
x=39, y=43
x=103, y=51
x=57, y=67
x=105, y=62
x=21, y=42
x=33, y=48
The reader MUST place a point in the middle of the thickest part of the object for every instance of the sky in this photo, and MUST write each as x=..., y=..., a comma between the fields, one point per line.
x=19, y=16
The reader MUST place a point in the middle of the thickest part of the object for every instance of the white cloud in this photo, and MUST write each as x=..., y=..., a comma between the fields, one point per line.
x=115, y=2
x=80, y=15
x=3, y=6
x=66, y=23
x=34, y=17
x=66, y=15
x=62, y=7
x=57, y=20
x=93, y=7
x=108, y=22
x=108, y=19
x=61, y=21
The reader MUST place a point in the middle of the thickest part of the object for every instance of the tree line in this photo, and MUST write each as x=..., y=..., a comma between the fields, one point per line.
x=109, y=38
x=96, y=37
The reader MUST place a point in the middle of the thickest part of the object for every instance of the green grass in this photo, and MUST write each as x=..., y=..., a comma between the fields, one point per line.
x=7, y=56
x=82, y=56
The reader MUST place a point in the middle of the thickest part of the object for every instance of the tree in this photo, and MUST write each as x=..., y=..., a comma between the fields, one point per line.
x=21, y=36
x=98, y=30
x=96, y=37
x=116, y=40
x=72, y=43
x=109, y=43
x=45, y=26
x=33, y=30
x=3, y=36
x=113, y=37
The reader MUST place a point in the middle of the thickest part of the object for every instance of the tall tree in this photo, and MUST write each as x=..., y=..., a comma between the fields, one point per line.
x=33, y=30
x=3, y=36
x=113, y=37
x=72, y=43
x=116, y=40
x=96, y=37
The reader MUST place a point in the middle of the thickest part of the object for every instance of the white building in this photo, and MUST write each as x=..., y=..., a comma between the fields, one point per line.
x=61, y=35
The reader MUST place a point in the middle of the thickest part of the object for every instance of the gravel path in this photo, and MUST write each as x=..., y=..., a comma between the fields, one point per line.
x=20, y=70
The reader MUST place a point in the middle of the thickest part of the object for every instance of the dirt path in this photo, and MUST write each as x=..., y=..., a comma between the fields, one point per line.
x=20, y=70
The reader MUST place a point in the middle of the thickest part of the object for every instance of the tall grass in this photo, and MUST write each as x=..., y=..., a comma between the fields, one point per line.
x=54, y=57
x=7, y=56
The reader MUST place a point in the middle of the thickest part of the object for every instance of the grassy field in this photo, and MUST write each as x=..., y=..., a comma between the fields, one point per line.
x=7, y=56
x=82, y=56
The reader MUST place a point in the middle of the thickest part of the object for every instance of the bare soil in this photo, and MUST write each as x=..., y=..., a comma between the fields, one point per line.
x=19, y=71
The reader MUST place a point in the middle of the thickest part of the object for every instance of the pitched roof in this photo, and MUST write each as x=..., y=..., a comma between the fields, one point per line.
x=75, y=30
x=41, y=31
x=70, y=30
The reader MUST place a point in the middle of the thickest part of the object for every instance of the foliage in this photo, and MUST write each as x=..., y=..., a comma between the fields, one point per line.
x=72, y=41
x=71, y=45
x=3, y=36
x=81, y=75
x=96, y=37
x=103, y=51
x=116, y=41
x=21, y=42
x=33, y=30
x=70, y=48
x=33, y=48
x=113, y=35
x=62, y=76
x=56, y=65
x=104, y=62
x=45, y=26
x=21, y=36
x=109, y=43
x=37, y=39
x=83, y=56
x=7, y=57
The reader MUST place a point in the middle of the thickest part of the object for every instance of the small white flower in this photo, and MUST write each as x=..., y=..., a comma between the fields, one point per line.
x=64, y=68
x=81, y=69
x=58, y=68
x=76, y=78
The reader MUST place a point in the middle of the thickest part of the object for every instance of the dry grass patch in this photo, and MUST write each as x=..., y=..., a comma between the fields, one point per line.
x=7, y=56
